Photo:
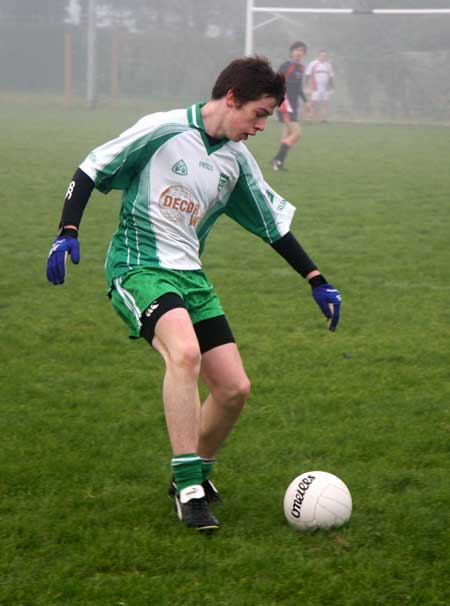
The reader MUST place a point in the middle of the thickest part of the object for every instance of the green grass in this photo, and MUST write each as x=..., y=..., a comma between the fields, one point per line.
x=84, y=519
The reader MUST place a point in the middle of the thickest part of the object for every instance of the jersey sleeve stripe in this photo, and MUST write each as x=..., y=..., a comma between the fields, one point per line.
x=112, y=165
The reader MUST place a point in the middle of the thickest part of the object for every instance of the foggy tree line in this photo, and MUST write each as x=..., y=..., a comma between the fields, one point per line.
x=199, y=14
x=146, y=14
x=176, y=47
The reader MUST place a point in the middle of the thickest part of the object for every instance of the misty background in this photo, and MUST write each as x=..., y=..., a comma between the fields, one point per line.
x=387, y=67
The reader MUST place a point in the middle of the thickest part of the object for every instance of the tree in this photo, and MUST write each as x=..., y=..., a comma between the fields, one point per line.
x=44, y=11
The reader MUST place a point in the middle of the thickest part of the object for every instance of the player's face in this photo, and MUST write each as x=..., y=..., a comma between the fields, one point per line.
x=246, y=120
x=322, y=57
x=297, y=54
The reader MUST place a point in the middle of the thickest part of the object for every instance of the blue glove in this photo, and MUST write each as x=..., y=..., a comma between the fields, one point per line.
x=328, y=299
x=56, y=264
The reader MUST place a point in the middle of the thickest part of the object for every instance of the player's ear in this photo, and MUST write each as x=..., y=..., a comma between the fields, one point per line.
x=231, y=99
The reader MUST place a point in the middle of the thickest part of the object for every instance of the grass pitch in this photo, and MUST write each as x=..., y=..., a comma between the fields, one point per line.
x=84, y=518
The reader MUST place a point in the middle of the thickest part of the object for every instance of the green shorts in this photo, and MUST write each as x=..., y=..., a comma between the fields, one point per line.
x=133, y=292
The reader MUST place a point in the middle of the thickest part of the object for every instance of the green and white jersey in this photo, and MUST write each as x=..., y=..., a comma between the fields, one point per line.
x=176, y=184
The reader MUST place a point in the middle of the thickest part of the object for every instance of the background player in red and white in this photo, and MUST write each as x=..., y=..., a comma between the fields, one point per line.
x=288, y=112
x=320, y=82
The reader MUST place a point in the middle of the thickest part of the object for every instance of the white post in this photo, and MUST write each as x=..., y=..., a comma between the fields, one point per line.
x=318, y=11
x=249, y=28
x=91, y=54
x=411, y=11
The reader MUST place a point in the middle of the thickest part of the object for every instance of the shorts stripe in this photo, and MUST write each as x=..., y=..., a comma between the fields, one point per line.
x=129, y=301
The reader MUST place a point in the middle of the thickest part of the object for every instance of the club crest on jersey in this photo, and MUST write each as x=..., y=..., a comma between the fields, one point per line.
x=177, y=204
x=180, y=168
x=222, y=181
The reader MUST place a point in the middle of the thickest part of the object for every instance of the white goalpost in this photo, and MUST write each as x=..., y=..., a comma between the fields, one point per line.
x=276, y=13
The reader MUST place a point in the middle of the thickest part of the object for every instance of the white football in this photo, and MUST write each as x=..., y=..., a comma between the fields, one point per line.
x=317, y=499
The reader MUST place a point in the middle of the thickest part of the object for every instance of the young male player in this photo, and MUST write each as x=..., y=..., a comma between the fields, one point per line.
x=288, y=113
x=179, y=172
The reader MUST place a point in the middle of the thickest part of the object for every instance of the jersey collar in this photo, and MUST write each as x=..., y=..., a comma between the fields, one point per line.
x=195, y=120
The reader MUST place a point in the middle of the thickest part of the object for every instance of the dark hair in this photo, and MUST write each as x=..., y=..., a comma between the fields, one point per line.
x=250, y=78
x=298, y=44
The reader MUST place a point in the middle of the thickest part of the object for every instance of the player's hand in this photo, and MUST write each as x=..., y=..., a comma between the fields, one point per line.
x=56, y=264
x=329, y=300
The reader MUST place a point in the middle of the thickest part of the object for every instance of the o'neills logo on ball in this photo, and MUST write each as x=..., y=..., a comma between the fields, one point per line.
x=300, y=495
x=176, y=204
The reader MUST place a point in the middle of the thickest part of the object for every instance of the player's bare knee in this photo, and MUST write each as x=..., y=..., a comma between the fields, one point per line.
x=243, y=390
x=186, y=358
x=234, y=395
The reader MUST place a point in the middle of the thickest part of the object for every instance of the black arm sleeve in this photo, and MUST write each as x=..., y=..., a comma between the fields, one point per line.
x=291, y=250
x=78, y=193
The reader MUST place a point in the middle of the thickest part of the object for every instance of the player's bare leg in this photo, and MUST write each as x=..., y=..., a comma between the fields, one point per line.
x=291, y=134
x=229, y=386
x=324, y=111
x=176, y=341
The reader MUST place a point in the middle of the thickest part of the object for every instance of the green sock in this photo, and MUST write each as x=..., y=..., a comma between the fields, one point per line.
x=187, y=470
x=207, y=465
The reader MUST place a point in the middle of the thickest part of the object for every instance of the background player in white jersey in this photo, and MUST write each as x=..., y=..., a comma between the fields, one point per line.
x=320, y=82
x=179, y=172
